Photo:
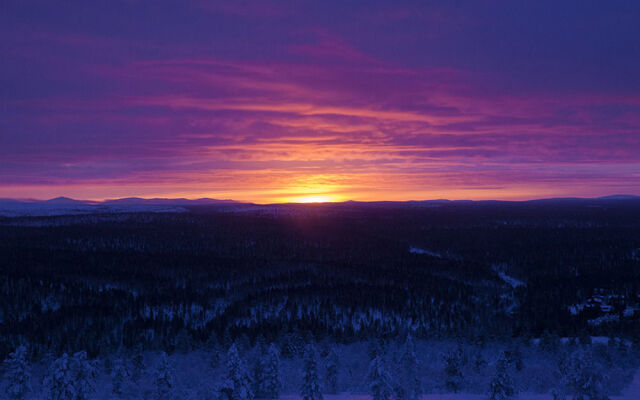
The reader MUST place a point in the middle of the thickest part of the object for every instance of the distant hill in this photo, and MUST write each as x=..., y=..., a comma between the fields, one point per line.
x=69, y=206
x=66, y=201
x=165, y=201
x=620, y=197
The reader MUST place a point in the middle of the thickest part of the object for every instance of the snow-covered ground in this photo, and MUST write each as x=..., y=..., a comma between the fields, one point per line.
x=508, y=279
x=630, y=393
x=417, y=250
x=45, y=209
x=603, y=303
x=196, y=379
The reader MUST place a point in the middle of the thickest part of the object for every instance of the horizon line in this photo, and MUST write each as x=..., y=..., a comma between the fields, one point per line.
x=615, y=196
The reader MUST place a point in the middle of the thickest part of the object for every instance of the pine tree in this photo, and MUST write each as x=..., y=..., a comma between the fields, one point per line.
x=515, y=357
x=84, y=372
x=583, y=378
x=408, y=385
x=271, y=373
x=310, y=381
x=164, y=378
x=138, y=367
x=379, y=379
x=635, y=345
x=331, y=372
x=453, y=370
x=558, y=394
x=182, y=341
x=119, y=376
x=259, y=367
x=501, y=386
x=257, y=374
x=237, y=386
x=375, y=348
x=478, y=362
x=549, y=343
x=17, y=374
x=623, y=348
x=70, y=378
x=214, y=358
x=59, y=383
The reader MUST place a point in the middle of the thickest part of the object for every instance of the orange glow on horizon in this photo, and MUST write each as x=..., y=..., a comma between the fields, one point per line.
x=271, y=186
x=285, y=114
x=315, y=199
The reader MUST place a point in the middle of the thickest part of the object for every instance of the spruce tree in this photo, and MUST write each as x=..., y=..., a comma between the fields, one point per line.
x=70, y=378
x=17, y=374
x=237, y=385
x=478, y=362
x=59, y=383
x=453, y=370
x=138, y=367
x=119, y=376
x=515, y=357
x=214, y=359
x=84, y=373
x=310, y=382
x=164, y=378
x=583, y=378
x=549, y=343
x=408, y=385
x=271, y=373
x=635, y=345
x=331, y=372
x=558, y=394
x=257, y=374
x=501, y=386
x=379, y=379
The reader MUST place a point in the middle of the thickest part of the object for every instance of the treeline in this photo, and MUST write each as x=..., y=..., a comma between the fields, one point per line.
x=389, y=370
x=343, y=272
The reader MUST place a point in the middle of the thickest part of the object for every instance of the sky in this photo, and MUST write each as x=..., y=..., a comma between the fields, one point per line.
x=273, y=101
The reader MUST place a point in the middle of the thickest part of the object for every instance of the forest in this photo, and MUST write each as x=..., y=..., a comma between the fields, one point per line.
x=394, y=300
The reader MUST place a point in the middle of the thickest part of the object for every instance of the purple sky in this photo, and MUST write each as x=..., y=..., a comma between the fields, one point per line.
x=325, y=100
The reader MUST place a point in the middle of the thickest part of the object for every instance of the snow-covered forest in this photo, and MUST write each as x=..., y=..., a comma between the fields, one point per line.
x=458, y=301
x=591, y=368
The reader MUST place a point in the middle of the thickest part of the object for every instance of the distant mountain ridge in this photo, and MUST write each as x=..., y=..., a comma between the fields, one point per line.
x=620, y=197
x=69, y=206
x=167, y=201
x=66, y=201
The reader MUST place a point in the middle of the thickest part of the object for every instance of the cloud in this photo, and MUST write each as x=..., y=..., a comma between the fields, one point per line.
x=378, y=106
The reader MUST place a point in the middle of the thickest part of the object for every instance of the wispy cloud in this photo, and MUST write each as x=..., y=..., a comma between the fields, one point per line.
x=361, y=112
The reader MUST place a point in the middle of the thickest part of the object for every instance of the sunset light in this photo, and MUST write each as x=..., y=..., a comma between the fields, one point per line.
x=231, y=107
x=314, y=199
x=305, y=199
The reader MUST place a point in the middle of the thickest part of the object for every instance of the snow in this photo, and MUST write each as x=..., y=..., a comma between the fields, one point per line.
x=510, y=280
x=603, y=320
x=629, y=311
x=55, y=208
x=194, y=374
x=576, y=309
x=417, y=250
x=632, y=393
x=603, y=340
x=602, y=303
